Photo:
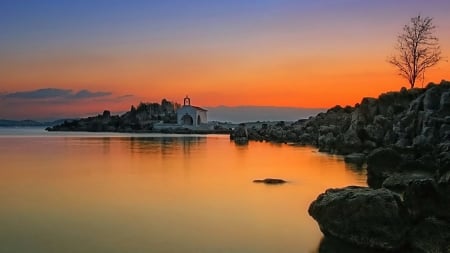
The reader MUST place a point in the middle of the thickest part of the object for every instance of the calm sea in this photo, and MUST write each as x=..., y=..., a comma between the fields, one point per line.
x=92, y=192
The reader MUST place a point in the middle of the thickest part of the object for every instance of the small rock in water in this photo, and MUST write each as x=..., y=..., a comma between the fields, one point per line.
x=270, y=181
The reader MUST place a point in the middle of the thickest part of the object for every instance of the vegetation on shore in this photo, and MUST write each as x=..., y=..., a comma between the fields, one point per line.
x=140, y=118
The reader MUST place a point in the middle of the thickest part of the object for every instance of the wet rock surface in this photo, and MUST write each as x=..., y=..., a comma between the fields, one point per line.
x=415, y=221
x=362, y=216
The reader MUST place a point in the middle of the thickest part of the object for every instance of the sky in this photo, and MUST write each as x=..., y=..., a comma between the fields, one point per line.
x=73, y=58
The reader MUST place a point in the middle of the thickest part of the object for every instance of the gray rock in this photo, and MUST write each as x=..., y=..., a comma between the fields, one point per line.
x=362, y=216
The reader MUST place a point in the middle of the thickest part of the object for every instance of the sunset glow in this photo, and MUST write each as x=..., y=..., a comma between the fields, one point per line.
x=312, y=54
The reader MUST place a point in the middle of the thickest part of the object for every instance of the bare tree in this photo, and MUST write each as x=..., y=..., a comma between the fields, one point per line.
x=418, y=49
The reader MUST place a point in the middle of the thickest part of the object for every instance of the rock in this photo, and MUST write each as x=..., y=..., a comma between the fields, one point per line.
x=362, y=216
x=326, y=142
x=368, y=109
x=430, y=235
x=381, y=163
x=444, y=158
x=270, y=181
x=422, y=198
x=399, y=182
x=445, y=101
x=432, y=99
x=383, y=157
x=355, y=158
x=240, y=134
x=444, y=190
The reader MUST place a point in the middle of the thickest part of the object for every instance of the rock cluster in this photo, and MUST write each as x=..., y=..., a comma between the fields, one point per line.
x=404, y=139
x=240, y=134
x=407, y=207
x=137, y=119
x=382, y=219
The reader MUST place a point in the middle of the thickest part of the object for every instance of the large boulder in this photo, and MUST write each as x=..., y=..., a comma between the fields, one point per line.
x=362, y=216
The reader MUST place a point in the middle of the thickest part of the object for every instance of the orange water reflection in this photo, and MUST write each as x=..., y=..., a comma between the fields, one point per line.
x=160, y=194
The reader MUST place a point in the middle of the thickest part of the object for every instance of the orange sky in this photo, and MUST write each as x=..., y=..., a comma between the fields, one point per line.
x=275, y=53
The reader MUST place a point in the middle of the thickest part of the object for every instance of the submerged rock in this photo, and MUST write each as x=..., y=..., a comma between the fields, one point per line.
x=270, y=181
x=363, y=216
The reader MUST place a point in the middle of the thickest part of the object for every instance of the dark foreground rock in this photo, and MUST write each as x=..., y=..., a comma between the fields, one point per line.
x=380, y=219
x=270, y=181
x=362, y=216
x=430, y=235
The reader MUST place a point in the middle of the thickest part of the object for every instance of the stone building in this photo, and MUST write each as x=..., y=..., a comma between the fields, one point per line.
x=189, y=115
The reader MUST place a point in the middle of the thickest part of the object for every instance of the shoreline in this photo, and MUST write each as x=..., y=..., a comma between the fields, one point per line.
x=403, y=140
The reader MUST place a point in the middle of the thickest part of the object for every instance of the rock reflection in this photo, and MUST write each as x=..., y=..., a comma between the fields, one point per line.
x=333, y=245
x=165, y=146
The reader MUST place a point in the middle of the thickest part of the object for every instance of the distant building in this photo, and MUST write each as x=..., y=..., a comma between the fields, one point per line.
x=189, y=115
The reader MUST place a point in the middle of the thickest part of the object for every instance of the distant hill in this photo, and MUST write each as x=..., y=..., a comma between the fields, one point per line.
x=28, y=123
x=238, y=114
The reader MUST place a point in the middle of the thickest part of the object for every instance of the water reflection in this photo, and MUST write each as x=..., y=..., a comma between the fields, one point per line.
x=86, y=194
x=333, y=245
x=167, y=146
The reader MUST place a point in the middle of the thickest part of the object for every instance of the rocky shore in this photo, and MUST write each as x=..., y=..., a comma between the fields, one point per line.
x=145, y=118
x=403, y=140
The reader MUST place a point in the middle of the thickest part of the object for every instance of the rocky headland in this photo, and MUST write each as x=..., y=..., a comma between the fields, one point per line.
x=145, y=118
x=403, y=140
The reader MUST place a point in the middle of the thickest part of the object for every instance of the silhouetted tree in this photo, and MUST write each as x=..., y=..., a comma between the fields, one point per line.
x=418, y=49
